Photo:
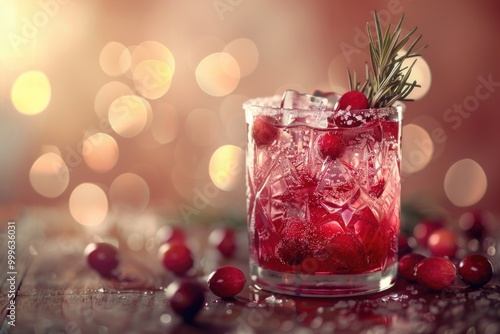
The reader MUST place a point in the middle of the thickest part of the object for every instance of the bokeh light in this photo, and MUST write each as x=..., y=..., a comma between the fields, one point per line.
x=88, y=204
x=152, y=50
x=128, y=115
x=100, y=152
x=152, y=67
x=245, y=52
x=113, y=59
x=218, y=74
x=49, y=175
x=226, y=166
x=202, y=126
x=107, y=94
x=129, y=192
x=417, y=149
x=465, y=183
x=31, y=92
x=152, y=78
x=421, y=73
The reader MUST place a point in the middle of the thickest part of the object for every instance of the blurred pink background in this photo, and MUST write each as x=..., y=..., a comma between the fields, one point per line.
x=138, y=104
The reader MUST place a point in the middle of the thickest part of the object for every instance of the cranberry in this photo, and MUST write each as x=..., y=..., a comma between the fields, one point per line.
x=176, y=257
x=443, y=242
x=424, y=229
x=226, y=282
x=407, y=265
x=475, y=270
x=292, y=249
x=263, y=132
x=473, y=224
x=103, y=258
x=170, y=234
x=346, y=254
x=224, y=239
x=331, y=226
x=186, y=298
x=352, y=100
x=436, y=273
x=331, y=145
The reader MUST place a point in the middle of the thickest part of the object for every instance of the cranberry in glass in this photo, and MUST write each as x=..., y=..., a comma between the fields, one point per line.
x=176, y=257
x=263, y=132
x=292, y=249
x=475, y=270
x=436, y=273
x=186, y=298
x=424, y=229
x=331, y=145
x=407, y=265
x=443, y=242
x=226, y=282
x=352, y=100
x=102, y=257
x=224, y=239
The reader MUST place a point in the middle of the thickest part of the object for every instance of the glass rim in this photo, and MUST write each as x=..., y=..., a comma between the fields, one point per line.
x=270, y=106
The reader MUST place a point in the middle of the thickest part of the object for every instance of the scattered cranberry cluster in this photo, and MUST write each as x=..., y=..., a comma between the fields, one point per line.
x=438, y=271
x=186, y=294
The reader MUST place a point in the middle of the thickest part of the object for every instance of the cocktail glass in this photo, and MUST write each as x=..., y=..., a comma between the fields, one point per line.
x=323, y=197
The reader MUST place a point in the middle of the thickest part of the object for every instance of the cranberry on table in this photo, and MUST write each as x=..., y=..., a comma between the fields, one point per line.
x=473, y=224
x=475, y=270
x=176, y=257
x=407, y=265
x=103, y=258
x=423, y=230
x=224, y=239
x=443, y=242
x=436, y=273
x=170, y=233
x=186, y=298
x=226, y=282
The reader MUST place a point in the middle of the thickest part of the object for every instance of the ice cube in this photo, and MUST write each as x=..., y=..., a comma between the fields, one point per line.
x=293, y=99
x=330, y=96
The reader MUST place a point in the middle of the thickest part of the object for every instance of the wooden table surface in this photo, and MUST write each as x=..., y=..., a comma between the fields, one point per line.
x=58, y=293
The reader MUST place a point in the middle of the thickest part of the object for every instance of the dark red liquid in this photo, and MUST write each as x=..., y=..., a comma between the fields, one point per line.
x=316, y=214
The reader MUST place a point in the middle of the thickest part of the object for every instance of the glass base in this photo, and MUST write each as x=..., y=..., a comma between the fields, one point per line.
x=323, y=285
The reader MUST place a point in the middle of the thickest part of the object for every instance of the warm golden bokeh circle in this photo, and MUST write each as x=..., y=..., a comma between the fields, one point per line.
x=31, y=92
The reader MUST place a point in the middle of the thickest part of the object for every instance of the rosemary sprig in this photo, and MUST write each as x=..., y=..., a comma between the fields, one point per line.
x=386, y=79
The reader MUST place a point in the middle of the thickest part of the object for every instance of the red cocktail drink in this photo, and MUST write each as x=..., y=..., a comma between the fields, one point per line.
x=323, y=197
